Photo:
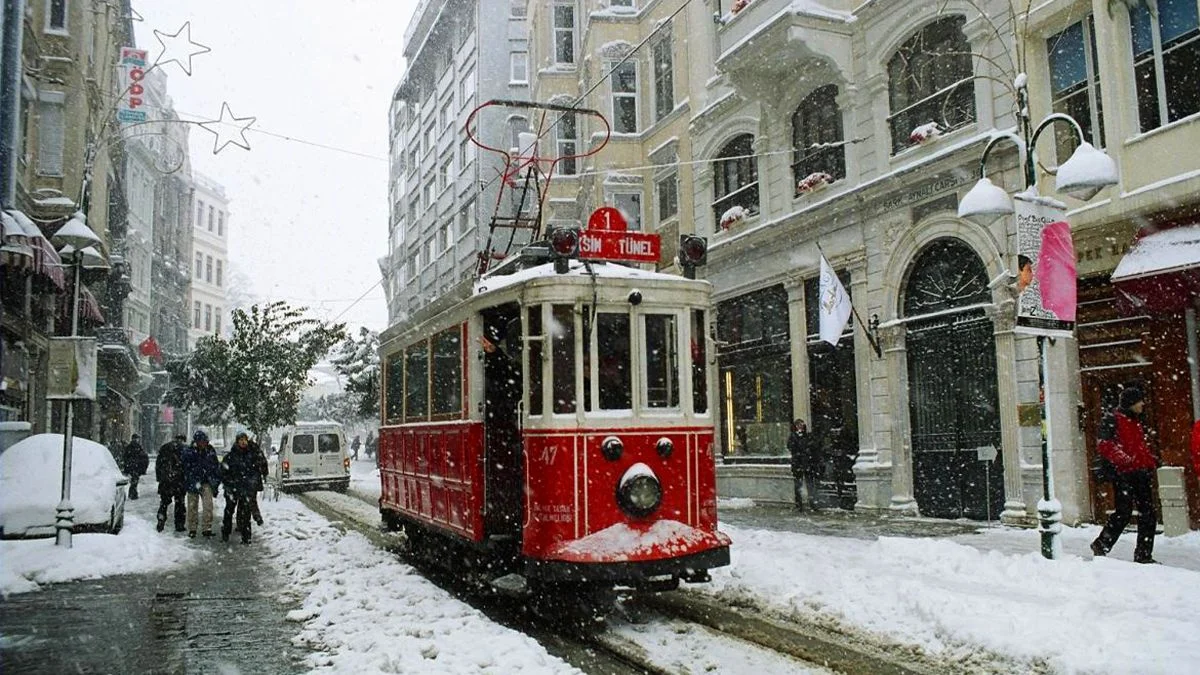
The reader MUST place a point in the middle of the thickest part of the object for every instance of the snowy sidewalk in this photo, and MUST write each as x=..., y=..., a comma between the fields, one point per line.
x=987, y=602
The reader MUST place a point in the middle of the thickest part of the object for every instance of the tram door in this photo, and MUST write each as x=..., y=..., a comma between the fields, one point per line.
x=501, y=413
x=954, y=409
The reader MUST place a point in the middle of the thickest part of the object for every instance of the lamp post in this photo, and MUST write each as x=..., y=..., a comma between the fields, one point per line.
x=77, y=240
x=1082, y=176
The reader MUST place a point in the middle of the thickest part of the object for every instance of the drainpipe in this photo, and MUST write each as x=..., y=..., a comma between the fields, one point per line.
x=1193, y=364
x=10, y=98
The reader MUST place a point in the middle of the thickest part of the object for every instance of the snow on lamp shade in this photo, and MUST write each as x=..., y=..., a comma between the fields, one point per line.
x=985, y=203
x=76, y=233
x=1087, y=172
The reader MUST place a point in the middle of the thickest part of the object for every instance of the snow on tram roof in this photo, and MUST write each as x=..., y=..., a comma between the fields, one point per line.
x=576, y=269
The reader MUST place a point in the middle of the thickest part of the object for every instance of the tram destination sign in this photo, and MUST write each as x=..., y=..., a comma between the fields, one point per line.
x=621, y=246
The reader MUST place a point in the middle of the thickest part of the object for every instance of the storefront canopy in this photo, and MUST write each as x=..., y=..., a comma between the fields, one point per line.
x=1161, y=272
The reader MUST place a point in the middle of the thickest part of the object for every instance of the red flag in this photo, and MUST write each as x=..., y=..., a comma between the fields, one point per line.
x=150, y=348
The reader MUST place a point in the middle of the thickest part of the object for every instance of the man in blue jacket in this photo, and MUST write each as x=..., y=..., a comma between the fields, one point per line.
x=202, y=477
x=242, y=478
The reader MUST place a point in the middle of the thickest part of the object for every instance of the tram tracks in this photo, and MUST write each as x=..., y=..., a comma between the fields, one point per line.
x=670, y=633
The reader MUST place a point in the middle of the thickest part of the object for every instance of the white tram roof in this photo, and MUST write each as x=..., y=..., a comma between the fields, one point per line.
x=576, y=269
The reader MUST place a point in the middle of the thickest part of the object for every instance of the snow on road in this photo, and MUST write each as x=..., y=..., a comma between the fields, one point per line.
x=363, y=610
x=683, y=647
x=28, y=564
x=1073, y=615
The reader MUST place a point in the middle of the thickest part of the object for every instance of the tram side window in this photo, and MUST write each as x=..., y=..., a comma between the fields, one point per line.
x=416, y=378
x=394, y=398
x=447, y=372
x=562, y=353
x=535, y=360
x=662, y=361
x=699, y=363
x=587, y=357
x=612, y=349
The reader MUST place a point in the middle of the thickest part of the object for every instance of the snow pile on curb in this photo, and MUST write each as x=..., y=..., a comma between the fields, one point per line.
x=1072, y=615
x=362, y=610
x=28, y=564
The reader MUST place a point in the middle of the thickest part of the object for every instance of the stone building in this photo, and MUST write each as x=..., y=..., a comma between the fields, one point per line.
x=209, y=307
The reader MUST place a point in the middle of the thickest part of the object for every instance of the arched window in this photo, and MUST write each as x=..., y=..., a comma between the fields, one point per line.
x=929, y=80
x=817, y=136
x=735, y=177
x=946, y=275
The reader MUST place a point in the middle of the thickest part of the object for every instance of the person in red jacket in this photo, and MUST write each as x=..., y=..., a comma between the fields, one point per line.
x=1123, y=443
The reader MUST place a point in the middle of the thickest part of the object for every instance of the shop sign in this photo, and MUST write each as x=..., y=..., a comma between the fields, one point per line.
x=130, y=109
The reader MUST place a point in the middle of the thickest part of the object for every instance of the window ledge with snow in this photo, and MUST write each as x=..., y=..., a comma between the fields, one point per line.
x=1182, y=121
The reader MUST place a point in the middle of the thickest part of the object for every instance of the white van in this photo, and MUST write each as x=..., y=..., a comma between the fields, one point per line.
x=312, y=454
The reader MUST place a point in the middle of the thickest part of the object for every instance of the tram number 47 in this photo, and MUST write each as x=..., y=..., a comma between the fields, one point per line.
x=616, y=245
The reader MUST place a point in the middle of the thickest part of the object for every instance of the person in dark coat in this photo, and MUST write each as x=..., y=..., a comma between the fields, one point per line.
x=260, y=463
x=806, y=463
x=241, y=476
x=354, y=446
x=168, y=470
x=372, y=447
x=136, y=463
x=201, y=477
x=1122, y=441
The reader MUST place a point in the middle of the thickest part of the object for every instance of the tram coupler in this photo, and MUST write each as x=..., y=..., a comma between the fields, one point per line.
x=696, y=576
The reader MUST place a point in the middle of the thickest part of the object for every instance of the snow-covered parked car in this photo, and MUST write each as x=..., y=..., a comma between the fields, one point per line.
x=31, y=487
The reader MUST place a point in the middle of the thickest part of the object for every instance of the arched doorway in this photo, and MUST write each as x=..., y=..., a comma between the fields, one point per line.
x=953, y=402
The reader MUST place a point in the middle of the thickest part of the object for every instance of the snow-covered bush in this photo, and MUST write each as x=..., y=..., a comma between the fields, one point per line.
x=814, y=181
x=925, y=133
x=733, y=216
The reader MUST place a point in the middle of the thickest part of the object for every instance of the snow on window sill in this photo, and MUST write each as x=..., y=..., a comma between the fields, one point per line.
x=920, y=150
x=1183, y=121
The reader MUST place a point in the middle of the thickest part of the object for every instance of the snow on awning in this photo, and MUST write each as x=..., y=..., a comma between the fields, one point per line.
x=1161, y=272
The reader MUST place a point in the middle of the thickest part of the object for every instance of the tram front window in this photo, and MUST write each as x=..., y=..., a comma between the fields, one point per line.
x=613, y=361
x=562, y=355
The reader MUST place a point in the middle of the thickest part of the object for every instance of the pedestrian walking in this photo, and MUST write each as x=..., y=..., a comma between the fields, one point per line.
x=241, y=475
x=373, y=447
x=354, y=446
x=260, y=463
x=839, y=447
x=806, y=462
x=136, y=463
x=1122, y=441
x=202, y=477
x=168, y=470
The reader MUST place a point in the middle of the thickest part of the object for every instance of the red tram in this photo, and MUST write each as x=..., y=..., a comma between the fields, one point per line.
x=554, y=424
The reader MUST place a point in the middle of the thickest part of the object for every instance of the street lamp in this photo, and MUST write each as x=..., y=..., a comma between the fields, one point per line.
x=76, y=240
x=1082, y=176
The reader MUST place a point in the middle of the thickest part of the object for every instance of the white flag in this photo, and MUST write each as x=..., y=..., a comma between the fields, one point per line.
x=833, y=303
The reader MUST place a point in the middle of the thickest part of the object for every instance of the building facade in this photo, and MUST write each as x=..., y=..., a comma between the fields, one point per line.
x=442, y=189
x=209, y=306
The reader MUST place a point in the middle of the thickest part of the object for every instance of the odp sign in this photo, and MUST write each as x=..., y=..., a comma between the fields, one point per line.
x=606, y=238
x=133, y=64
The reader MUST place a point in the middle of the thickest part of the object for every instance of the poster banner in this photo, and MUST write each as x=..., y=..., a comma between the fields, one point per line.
x=1034, y=215
x=72, y=372
x=131, y=107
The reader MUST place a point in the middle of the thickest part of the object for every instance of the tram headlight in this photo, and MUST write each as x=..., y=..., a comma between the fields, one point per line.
x=693, y=253
x=639, y=493
x=613, y=448
x=665, y=447
x=564, y=245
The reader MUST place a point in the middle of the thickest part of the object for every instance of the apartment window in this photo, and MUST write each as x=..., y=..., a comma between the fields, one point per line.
x=564, y=31
x=448, y=114
x=220, y=272
x=517, y=9
x=630, y=205
x=930, y=80
x=429, y=137
x=565, y=139
x=464, y=152
x=1075, y=85
x=430, y=250
x=411, y=267
x=199, y=266
x=446, y=175
x=1166, y=61
x=664, y=78
x=217, y=321
x=519, y=68
x=208, y=318
x=427, y=194
x=735, y=177
x=413, y=159
x=56, y=16
x=624, y=98
x=211, y=217
x=630, y=4
x=448, y=234
x=199, y=212
x=817, y=137
x=220, y=223
x=196, y=317
x=51, y=129
x=466, y=87
x=518, y=125
x=666, y=190
x=208, y=268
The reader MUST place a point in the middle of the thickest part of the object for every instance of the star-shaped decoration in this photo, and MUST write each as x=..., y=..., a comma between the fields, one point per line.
x=229, y=129
x=178, y=48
